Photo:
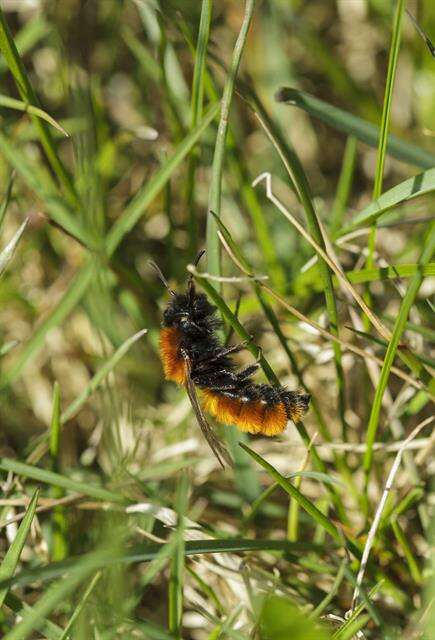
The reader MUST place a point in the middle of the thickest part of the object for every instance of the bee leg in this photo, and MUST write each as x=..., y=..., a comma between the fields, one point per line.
x=223, y=352
x=246, y=373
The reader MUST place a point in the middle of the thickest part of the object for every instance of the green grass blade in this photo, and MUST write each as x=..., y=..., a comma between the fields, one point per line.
x=399, y=326
x=12, y=556
x=55, y=426
x=7, y=46
x=41, y=182
x=58, y=480
x=149, y=552
x=46, y=628
x=408, y=190
x=69, y=301
x=196, y=107
x=389, y=273
x=352, y=125
x=59, y=540
x=349, y=629
x=176, y=579
x=302, y=189
x=215, y=194
x=51, y=598
x=19, y=105
x=29, y=35
x=344, y=186
x=7, y=253
x=309, y=507
x=414, y=569
x=388, y=99
x=80, y=605
x=101, y=374
x=385, y=123
x=147, y=194
x=6, y=199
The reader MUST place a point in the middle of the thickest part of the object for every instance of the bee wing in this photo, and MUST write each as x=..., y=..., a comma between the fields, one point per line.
x=215, y=445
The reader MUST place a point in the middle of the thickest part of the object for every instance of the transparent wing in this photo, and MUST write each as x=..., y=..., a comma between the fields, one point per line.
x=215, y=445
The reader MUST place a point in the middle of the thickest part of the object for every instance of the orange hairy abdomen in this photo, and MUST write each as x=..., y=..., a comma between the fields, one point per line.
x=252, y=416
x=170, y=354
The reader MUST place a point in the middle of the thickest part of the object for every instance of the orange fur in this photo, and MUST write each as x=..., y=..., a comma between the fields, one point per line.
x=173, y=363
x=253, y=417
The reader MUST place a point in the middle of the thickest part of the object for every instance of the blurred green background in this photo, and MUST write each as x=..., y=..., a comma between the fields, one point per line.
x=117, y=77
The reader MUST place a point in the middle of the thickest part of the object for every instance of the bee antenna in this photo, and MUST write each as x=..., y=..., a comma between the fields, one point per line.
x=198, y=257
x=161, y=277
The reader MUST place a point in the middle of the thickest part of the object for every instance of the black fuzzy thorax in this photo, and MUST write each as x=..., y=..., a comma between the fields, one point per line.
x=195, y=318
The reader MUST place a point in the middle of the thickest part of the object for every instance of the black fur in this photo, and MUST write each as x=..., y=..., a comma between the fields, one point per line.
x=211, y=362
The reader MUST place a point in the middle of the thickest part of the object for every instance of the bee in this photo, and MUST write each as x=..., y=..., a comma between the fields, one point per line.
x=193, y=356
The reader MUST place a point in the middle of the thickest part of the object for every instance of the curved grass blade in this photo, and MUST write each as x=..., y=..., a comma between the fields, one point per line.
x=12, y=557
x=352, y=125
x=19, y=105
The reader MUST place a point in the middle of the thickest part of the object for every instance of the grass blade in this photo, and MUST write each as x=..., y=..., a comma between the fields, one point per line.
x=344, y=186
x=408, y=190
x=6, y=199
x=7, y=46
x=214, y=199
x=101, y=374
x=80, y=605
x=309, y=507
x=196, y=108
x=19, y=105
x=385, y=122
x=302, y=189
x=176, y=579
x=352, y=125
x=52, y=597
x=69, y=301
x=399, y=326
x=58, y=480
x=7, y=253
x=12, y=557
x=147, y=194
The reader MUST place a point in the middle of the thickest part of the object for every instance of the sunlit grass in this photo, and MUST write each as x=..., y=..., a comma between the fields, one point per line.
x=116, y=521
